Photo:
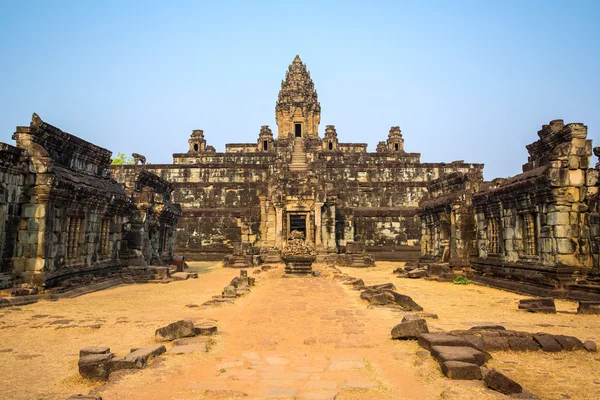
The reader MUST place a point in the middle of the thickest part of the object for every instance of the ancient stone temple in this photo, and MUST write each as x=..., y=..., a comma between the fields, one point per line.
x=334, y=193
x=63, y=218
x=536, y=232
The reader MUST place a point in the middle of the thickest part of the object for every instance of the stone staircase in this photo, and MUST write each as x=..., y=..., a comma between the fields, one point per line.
x=298, y=156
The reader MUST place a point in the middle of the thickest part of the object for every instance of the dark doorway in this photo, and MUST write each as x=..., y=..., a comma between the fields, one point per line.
x=265, y=145
x=330, y=145
x=195, y=147
x=298, y=223
x=298, y=128
x=396, y=146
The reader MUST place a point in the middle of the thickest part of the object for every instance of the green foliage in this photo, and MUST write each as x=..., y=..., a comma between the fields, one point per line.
x=122, y=159
x=461, y=280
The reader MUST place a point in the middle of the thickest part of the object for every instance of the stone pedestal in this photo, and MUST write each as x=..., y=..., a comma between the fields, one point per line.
x=299, y=265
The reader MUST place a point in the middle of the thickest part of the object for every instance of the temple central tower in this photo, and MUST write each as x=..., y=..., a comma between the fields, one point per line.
x=297, y=111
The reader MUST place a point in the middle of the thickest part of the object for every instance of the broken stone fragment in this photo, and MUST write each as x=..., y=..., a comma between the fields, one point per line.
x=205, y=329
x=94, y=350
x=538, y=305
x=588, y=307
x=175, y=330
x=140, y=357
x=229, y=292
x=417, y=273
x=547, y=342
x=501, y=383
x=95, y=366
x=461, y=370
x=429, y=340
x=590, y=346
x=404, y=301
x=84, y=397
x=569, y=343
x=410, y=329
x=464, y=354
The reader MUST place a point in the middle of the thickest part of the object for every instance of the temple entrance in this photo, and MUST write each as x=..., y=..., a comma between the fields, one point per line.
x=297, y=223
x=298, y=130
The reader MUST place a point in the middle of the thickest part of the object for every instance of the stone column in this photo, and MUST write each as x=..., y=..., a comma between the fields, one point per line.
x=278, y=227
x=263, y=221
x=318, y=241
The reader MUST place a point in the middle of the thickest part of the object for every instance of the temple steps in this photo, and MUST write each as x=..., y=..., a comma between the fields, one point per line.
x=298, y=156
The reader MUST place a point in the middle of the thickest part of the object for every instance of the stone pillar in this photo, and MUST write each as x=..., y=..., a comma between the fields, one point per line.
x=279, y=227
x=263, y=221
x=318, y=241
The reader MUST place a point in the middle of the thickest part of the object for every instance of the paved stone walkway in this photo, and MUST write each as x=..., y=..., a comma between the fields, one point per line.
x=300, y=338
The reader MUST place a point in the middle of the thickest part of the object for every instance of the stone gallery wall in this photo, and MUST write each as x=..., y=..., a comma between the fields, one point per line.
x=62, y=217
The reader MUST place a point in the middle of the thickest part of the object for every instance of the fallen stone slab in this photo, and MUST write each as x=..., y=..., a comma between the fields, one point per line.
x=376, y=298
x=588, y=307
x=381, y=286
x=464, y=354
x=569, y=343
x=175, y=330
x=487, y=328
x=94, y=350
x=538, y=305
x=188, y=348
x=438, y=269
x=217, y=302
x=461, y=370
x=495, y=343
x=357, y=283
x=410, y=329
x=229, y=292
x=84, y=397
x=417, y=273
x=501, y=383
x=404, y=301
x=205, y=329
x=590, y=345
x=547, y=343
x=398, y=270
x=141, y=356
x=429, y=340
x=95, y=366
x=523, y=344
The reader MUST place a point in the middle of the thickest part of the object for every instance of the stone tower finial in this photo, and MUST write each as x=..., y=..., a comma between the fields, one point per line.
x=297, y=111
x=395, y=142
x=196, y=141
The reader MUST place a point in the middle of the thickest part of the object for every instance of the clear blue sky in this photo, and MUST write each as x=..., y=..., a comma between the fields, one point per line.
x=470, y=80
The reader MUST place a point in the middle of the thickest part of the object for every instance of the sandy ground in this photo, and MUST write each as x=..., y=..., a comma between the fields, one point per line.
x=289, y=338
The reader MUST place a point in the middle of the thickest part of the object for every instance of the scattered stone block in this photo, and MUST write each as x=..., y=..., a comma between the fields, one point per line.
x=538, y=304
x=175, y=330
x=376, y=298
x=588, y=307
x=205, y=329
x=438, y=269
x=590, y=346
x=94, y=350
x=141, y=356
x=501, y=383
x=398, y=270
x=569, y=343
x=547, y=342
x=229, y=292
x=182, y=276
x=405, y=301
x=487, y=328
x=95, y=366
x=251, y=281
x=495, y=343
x=84, y=397
x=461, y=370
x=523, y=344
x=410, y=329
x=464, y=354
x=382, y=286
x=417, y=273
x=162, y=272
x=429, y=340
x=122, y=362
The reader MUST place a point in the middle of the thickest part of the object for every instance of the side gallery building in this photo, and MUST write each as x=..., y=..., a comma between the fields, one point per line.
x=333, y=192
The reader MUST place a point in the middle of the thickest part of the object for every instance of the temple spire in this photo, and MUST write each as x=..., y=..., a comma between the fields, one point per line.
x=297, y=111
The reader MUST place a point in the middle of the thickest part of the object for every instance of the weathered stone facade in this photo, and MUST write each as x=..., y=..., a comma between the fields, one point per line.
x=536, y=232
x=61, y=215
x=332, y=192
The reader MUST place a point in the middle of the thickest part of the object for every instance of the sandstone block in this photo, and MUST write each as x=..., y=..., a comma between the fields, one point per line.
x=205, y=329
x=588, y=307
x=175, y=330
x=410, y=329
x=547, y=342
x=569, y=343
x=94, y=350
x=84, y=397
x=229, y=292
x=417, y=273
x=429, y=340
x=453, y=353
x=590, y=346
x=501, y=383
x=538, y=304
x=523, y=344
x=95, y=366
x=495, y=343
x=141, y=356
x=461, y=370
x=404, y=301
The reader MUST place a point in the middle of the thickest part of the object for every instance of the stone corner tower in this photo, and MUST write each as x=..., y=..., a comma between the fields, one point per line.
x=297, y=111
